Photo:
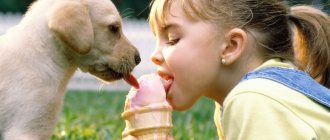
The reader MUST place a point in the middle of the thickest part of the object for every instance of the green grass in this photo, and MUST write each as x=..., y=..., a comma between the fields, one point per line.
x=95, y=115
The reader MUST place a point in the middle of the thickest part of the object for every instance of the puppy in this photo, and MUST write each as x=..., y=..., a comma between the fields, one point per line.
x=41, y=53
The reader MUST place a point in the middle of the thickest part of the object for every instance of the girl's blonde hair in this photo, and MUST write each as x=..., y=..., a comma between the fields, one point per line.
x=313, y=37
x=160, y=8
x=265, y=20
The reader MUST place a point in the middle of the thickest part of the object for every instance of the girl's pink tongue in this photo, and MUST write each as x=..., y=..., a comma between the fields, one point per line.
x=167, y=85
x=130, y=79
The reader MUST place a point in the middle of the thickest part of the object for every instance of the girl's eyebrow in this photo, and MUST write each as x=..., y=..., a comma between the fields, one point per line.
x=170, y=25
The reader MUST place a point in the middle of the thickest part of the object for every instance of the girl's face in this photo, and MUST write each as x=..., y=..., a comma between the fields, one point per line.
x=187, y=57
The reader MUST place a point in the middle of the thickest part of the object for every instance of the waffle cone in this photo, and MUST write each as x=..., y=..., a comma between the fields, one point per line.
x=149, y=122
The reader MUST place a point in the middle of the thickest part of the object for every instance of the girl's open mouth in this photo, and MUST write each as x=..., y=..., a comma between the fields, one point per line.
x=168, y=80
x=167, y=85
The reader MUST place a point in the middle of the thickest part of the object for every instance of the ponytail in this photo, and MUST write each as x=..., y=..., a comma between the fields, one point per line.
x=312, y=42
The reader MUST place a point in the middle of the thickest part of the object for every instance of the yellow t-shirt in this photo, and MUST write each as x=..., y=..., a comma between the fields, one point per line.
x=261, y=109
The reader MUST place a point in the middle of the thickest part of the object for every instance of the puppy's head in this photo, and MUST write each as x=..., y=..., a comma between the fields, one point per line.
x=90, y=32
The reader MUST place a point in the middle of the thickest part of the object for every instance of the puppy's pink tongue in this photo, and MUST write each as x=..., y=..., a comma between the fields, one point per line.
x=130, y=79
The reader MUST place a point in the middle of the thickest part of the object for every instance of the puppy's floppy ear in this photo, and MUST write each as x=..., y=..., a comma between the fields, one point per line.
x=70, y=22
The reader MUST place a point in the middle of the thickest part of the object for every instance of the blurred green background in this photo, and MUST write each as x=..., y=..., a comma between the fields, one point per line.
x=136, y=8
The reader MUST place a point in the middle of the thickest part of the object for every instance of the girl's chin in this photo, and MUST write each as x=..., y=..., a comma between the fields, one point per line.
x=177, y=104
x=173, y=97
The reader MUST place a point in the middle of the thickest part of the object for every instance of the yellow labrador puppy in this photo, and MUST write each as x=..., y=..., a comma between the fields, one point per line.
x=41, y=53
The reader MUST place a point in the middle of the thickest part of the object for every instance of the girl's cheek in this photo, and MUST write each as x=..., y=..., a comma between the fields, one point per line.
x=167, y=53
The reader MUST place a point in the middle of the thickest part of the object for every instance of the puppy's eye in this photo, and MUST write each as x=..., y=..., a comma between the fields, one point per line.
x=114, y=28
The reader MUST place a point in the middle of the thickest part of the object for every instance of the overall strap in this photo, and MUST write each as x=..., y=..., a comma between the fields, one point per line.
x=296, y=80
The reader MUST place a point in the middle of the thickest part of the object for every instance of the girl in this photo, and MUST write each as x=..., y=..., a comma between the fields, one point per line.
x=238, y=53
x=312, y=42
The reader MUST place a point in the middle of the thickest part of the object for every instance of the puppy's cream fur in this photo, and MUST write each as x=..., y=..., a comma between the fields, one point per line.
x=41, y=53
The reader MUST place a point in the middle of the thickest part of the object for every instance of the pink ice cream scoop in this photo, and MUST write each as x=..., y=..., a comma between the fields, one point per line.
x=147, y=114
x=151, y=91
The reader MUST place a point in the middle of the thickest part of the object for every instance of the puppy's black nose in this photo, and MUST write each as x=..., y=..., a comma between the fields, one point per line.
x=137, y=58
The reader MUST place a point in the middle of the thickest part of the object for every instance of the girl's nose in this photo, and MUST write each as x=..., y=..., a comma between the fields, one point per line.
x=157, y=57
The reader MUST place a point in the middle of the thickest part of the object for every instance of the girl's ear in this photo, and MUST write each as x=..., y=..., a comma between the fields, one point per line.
x=235, y=43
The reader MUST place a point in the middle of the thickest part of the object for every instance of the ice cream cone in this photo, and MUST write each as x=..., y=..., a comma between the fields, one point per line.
x=152, y=122
x=147, y=114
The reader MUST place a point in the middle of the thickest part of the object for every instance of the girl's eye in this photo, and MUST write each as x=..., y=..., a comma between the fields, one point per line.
x=172, y=42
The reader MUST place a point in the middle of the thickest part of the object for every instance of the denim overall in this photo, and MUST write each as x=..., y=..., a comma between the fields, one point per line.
x=296, y=80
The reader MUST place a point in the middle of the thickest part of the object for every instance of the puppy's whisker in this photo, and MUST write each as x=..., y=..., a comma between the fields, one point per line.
x=147, y=7
x=128, y=10
x=100, y=88
x=127, y=17
x=127, y=13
